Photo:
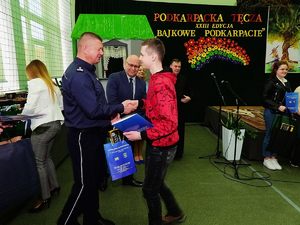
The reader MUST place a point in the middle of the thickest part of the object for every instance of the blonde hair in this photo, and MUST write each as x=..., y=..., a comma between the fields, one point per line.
x=37, y=69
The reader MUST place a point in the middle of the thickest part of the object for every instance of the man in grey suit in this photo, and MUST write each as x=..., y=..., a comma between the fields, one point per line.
x=126, y=85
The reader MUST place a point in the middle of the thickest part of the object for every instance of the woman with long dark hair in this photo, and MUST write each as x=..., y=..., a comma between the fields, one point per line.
x=273, y=102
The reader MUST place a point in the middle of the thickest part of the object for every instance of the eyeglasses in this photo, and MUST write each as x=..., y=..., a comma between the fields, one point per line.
x=132, y=65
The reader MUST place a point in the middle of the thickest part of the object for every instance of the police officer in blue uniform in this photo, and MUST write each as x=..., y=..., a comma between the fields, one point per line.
x=87, y=117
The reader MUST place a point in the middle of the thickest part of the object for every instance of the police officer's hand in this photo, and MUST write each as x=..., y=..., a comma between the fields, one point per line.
x=115, y=118
x=130, y=106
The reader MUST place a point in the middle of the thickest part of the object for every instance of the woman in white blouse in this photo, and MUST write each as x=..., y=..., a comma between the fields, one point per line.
x=43, y=98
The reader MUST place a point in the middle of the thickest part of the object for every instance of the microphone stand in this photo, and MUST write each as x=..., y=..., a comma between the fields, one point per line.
x=237, y=97
x=221, y=101
x=237, y=119
x=218, y=151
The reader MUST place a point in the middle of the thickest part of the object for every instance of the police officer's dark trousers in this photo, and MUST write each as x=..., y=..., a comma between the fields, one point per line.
x=84, y=147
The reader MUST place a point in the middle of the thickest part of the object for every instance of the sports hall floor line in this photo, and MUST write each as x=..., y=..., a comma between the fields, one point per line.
x=286, y=198
x=280, y=193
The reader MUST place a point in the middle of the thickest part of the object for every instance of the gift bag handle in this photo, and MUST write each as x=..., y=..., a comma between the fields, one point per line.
x=279, y=121
x=115, y=136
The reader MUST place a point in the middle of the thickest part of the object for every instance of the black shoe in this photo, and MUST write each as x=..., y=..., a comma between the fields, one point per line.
x=103, y=221
x=40, y=205
x=103, y=185
x=133, y=183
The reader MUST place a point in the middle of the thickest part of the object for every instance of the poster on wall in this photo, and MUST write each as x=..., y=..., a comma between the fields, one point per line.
x=222, y=41
x=209, y=40
x=283, y=42
x=212, y=36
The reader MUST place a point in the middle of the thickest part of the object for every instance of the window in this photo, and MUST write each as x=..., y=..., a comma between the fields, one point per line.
x=37, y=30
x=33, y=29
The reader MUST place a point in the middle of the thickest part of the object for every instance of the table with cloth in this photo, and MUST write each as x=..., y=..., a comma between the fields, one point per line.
x=252, y=117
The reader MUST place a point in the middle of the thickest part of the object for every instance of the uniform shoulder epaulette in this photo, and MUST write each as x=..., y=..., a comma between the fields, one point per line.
x=79, y=69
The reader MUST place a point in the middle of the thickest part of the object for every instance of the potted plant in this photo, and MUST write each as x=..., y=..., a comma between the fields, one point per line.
x=233, y=133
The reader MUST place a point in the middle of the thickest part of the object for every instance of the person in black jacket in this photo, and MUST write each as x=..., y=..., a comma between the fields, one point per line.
x=273, y=102
x=183, y=97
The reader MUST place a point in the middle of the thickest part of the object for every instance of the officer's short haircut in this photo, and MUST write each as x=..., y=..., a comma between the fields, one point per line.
x=91, y=34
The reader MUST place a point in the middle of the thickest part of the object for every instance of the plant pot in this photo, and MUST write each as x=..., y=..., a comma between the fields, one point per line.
x=228, y=140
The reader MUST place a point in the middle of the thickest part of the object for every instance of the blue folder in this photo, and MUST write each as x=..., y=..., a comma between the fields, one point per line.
x=133, y=122
x=291, y=101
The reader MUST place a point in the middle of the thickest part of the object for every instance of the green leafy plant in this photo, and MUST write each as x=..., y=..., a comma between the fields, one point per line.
x=234, y=122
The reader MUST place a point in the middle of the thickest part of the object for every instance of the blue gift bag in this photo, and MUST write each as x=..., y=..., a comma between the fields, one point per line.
x=119, y=159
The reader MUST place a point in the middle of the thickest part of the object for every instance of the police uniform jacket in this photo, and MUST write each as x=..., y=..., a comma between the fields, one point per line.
x=85, y=105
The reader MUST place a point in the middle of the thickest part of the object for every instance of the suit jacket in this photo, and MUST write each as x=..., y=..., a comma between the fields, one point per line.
x=118, y=88
x=182, y=87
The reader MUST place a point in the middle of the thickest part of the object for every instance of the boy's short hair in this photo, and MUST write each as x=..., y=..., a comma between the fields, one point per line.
x=156, y=45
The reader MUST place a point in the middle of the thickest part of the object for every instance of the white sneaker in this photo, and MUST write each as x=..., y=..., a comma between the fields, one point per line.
x=296, y=165
x=276, y=164
x=269, y=164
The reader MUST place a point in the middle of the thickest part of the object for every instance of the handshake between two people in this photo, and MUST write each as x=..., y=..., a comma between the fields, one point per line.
x=131, y=135
x=129, y=106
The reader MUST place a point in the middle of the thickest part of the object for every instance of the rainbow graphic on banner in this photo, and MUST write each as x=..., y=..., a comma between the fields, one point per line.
x=206, y=49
